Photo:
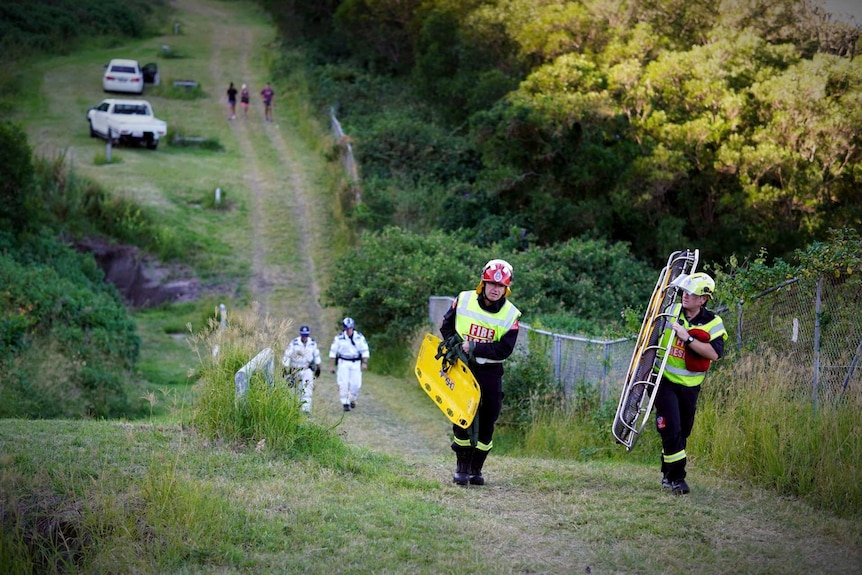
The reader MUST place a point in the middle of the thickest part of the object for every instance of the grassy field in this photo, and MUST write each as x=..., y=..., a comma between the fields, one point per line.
x=372, y=492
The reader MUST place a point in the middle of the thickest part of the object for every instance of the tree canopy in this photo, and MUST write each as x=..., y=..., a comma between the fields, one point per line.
x=730, y=126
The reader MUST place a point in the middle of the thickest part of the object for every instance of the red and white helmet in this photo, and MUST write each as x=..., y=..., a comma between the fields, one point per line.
x=498, y=272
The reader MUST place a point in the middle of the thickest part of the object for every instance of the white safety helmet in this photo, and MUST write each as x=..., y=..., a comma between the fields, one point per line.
x=348, y=323
x=696, y=284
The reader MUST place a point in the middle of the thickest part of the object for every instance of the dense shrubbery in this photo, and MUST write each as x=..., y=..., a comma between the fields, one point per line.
x=655, y=124
x=16, y=175
x=28, y=26
x=77, y=207
x=67, y=344
x=386, y=284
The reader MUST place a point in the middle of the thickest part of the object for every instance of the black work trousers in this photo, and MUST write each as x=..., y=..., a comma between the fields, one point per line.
x=490, y=380
x=675, y=406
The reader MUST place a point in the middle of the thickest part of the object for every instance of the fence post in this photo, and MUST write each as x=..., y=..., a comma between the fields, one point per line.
x=558, y=359
x=606, y=360
x=817, y=309
x=264, y=360
x=349, y=160
x=222, y=311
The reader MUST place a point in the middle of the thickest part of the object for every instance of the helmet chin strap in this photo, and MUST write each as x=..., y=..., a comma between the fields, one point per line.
x=480, y=290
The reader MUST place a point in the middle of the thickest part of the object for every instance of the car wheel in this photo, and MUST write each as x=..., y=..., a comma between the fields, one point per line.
x=93, y=133
x=152, y=144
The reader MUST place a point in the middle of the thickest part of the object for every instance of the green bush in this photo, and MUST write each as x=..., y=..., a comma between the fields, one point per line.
x=404, y=148
x=16, y=175
x=592, y=280
x=69, y=344
x=386, y=283
x=55, y=26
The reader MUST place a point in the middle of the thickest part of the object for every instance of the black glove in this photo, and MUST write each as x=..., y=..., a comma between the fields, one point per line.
x=450, y=351
x=316, y=371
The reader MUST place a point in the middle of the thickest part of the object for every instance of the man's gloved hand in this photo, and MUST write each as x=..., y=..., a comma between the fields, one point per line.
x=450, y=351
x=316, y=371
x=454, y=340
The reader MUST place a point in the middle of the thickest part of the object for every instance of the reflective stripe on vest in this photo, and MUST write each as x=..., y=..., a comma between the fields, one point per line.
x=674, y=369
x=475, y=324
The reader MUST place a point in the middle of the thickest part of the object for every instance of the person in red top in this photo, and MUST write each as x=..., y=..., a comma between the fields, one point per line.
x=488, y=325
x=267, y=94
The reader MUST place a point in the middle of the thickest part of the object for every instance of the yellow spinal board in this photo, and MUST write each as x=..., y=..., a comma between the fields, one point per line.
x=455, y=391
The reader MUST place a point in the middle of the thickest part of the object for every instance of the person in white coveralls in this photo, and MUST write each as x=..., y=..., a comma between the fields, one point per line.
x=349, y=354
x=301, y=363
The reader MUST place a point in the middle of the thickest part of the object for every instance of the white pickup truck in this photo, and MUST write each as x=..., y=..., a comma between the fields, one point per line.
x=126, y=121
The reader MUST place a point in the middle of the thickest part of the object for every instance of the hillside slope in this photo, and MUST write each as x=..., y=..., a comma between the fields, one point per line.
x=533, y=516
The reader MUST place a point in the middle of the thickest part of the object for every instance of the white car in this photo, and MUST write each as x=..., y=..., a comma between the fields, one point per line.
x=123, y=76
x=126, y=121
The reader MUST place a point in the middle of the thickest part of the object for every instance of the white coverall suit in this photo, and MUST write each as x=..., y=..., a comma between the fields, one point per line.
x=350, y=353
x=303, y=357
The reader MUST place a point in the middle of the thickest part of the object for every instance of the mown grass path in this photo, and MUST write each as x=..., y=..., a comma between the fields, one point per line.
x=280, y=218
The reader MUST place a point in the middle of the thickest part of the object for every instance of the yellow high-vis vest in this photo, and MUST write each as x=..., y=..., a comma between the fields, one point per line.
x=675, y=369
x=475, y=324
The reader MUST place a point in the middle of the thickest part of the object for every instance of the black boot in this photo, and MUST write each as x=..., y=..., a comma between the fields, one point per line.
x=476, y=463
x=462, y=464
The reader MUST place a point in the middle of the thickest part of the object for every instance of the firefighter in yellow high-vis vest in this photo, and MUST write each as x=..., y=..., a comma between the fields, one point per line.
x=696, y=340
x=488, y=324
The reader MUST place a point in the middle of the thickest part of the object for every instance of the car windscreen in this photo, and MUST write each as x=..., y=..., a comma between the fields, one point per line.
x=124, y=69
x=131, y=109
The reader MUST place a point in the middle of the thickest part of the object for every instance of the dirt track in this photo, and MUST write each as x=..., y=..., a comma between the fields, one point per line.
x=276, y=184
x=281, y=190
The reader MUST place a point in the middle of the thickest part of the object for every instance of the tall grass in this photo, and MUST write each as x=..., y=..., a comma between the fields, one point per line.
x=76, y=206
x=755, y=423
x=269, y=413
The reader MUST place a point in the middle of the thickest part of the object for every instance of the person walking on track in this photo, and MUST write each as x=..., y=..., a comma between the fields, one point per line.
x=698, y=337
x=301, y=363
x=231, y=101
x=349, y=354
x=243, y=100
x=486, y=324
x=267, y=94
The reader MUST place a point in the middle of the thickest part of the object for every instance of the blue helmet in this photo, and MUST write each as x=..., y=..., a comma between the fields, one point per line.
x=304, y=330
x=348, y=323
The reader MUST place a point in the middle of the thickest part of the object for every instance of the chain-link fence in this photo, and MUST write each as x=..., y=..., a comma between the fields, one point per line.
x=574, y=360
x=815, y=322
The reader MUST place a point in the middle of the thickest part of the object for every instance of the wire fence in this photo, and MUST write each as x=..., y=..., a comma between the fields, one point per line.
x=574, y=360
x=814, y=322
x=351, y=168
